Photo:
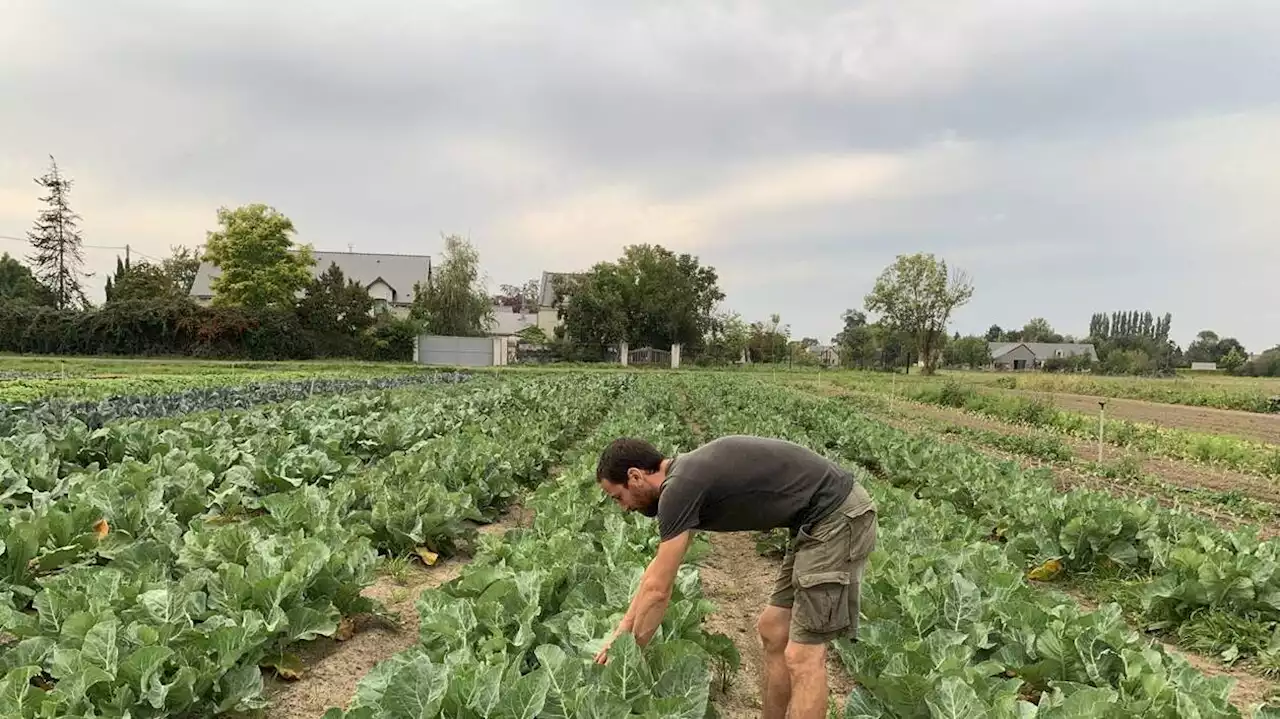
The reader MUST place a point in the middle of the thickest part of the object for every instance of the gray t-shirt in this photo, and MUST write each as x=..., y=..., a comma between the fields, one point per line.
x=740, y=483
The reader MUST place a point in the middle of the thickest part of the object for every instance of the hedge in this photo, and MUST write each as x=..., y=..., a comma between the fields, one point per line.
x=187, y=329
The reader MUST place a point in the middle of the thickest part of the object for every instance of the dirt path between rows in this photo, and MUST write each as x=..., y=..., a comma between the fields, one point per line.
x=738, y=581
x=333, y=668
x=1250, y=425
x=1172, y=471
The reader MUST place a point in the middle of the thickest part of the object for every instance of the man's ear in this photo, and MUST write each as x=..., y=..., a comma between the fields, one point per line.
x=634, y=475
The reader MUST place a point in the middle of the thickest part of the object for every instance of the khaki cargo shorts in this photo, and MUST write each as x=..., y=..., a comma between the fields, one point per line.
x=821, y=576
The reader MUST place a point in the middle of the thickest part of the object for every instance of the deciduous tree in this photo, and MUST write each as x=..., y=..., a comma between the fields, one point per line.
x=649, y=297
x=1233, y=359
x=857, y=340
x=182, y=265
x=454, y=302
x=1204, y=348
x=727, y=338
x=258, y=263
x=970, y=352
x=141, y=281
x=1039, y=330
x=523, y=298
x=19, y=287
x=917, y=293
x=768, y=340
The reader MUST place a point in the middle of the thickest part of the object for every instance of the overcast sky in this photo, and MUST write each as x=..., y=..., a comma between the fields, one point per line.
x=1072, y=155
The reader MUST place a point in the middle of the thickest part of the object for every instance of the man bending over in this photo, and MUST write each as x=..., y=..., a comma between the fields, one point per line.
x=738, y=484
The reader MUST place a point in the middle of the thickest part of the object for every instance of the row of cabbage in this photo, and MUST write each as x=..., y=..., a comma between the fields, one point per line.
x=1185, y=575
x=952, y=628
x=36, y=461
x=514, y=635
x=99, y=412
x=157, y=583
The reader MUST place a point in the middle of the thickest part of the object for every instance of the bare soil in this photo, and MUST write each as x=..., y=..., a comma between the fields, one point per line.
x=1250, y=425
x=332, y=668
x=738, y=580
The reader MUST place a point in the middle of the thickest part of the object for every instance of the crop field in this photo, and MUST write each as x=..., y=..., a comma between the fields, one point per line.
x=193, y=564
x=26, y=380
x=1209, y=390
x=1226, y=464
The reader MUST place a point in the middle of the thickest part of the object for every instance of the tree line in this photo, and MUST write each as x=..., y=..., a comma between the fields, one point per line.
x=268, y=302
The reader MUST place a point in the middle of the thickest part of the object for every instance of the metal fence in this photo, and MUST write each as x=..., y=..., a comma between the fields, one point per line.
x=461, y=351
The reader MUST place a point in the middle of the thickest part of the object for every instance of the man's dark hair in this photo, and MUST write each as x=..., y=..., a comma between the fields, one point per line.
x=623, y=454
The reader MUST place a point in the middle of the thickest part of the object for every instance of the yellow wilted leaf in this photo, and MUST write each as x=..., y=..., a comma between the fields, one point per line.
x=427, y=556
x=101, y=528
x=1046, y=571
x=287, y=666
x=346, y=629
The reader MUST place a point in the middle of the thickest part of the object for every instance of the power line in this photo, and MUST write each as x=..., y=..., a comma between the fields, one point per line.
x=128, y=249
x=92, y=247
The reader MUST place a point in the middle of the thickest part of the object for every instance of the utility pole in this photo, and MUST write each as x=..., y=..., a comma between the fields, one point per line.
x=126, y=255
x=1102, y=425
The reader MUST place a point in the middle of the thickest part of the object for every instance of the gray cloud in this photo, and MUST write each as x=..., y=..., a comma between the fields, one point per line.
x=1074, y=156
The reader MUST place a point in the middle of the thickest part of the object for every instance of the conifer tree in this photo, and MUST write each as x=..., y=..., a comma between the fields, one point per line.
x=58, y=257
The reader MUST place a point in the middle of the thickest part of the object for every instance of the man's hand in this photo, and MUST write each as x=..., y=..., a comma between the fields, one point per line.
x=602, y=656
x=650, y=602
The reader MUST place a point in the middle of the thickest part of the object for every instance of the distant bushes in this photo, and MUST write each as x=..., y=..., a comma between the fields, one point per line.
x=1023, y=410
x=1266, y=364
x=1077, y=363
x=183, y=328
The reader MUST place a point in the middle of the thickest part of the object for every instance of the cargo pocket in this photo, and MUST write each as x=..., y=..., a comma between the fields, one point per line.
x=822, y=602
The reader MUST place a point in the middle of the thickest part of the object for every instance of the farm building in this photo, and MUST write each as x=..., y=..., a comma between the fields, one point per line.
x=828, y=355
x=1033, y=355
x=389, y=278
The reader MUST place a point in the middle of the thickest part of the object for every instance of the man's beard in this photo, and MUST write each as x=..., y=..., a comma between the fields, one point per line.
x=650, y=508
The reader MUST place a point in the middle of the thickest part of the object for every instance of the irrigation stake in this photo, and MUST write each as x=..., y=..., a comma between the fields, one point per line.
x=1102, y=413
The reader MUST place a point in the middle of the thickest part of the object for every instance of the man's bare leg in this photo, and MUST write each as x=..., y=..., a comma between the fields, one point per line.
x=807, y=664
x=774, y=626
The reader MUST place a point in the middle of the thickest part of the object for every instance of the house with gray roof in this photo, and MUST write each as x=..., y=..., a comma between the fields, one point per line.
x=388, y=277
x=548, y=314
x=1033, y=355
x=550, y=281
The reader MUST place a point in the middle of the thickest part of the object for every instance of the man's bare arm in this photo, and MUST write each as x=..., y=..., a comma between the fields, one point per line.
x=649, y=604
